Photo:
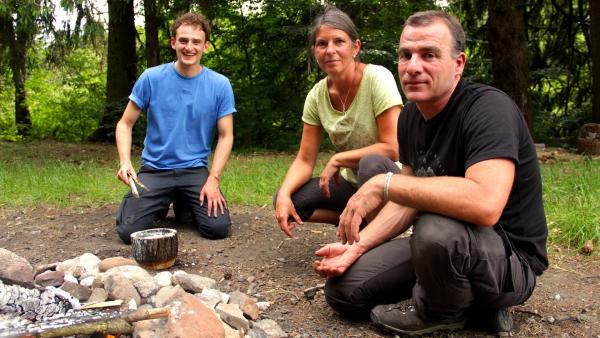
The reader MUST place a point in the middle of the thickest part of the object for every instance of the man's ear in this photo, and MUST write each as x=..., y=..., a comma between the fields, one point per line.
x=460, y=62
x=173, y=41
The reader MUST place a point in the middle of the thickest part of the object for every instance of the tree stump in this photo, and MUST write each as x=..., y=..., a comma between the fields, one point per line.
x=155, y=249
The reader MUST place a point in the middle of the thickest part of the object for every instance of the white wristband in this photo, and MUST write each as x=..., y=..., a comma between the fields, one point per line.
x=386, y=186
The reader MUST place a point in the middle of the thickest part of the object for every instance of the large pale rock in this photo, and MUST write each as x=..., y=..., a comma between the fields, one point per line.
x=167, y=294
x=111, y=262
x=232, y=315
x=88, y=281
x=140, y=278
x=84, y=265
x=193, y=283
x=191, y=319
x=246, y=304
x=119, y=287
x=15, y=269
x=210, y=297
x=163, y=278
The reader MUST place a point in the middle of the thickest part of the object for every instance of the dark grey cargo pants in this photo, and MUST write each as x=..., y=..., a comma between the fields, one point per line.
x=446, y=266
x=181, y=186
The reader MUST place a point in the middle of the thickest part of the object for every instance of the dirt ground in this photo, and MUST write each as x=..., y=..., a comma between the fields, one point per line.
x=258, y=259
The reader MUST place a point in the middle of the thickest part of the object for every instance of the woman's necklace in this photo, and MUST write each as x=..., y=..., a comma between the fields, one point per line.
x=343, y=102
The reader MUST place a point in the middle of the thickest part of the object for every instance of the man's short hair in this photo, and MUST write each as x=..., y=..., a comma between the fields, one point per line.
x=427, y=18
x=193, y=19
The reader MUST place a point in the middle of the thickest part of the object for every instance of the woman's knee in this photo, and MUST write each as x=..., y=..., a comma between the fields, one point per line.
x=372, y=165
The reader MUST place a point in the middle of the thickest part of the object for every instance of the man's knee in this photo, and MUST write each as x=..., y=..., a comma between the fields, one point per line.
x=435, y=235
x=215, y=228
x=345, y=298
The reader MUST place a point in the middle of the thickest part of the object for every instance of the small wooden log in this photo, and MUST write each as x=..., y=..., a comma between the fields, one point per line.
x=155, y=249
x=123, y=324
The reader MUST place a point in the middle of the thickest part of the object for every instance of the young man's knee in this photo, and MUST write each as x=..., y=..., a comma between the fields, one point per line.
x=216, y=230
x=125, y=233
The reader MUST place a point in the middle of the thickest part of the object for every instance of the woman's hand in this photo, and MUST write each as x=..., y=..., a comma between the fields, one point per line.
x=284, y=212
x=332, y=169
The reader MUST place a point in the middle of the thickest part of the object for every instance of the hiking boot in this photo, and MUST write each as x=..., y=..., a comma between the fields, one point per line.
x=402, y=318
x=491, y=320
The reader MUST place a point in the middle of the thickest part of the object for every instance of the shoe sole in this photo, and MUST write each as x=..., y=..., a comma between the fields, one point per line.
x=439, y=327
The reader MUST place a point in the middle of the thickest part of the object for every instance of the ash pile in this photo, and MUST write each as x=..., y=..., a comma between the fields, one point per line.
x=87, y=295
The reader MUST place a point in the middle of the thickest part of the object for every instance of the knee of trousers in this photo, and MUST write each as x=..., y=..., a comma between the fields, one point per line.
x=303, y=212
x=217, y=229
x=345, y=299
x=372, y=165
x=125, y=230
x=437, y=237
x=126, y=225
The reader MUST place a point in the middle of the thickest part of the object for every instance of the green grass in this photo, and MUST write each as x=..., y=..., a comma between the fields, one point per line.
x=571, y=192
x=75, y=175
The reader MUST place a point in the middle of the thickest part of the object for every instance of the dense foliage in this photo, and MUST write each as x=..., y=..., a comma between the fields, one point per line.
x=262, y=47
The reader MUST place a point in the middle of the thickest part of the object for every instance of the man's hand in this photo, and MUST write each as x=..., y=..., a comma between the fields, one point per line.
x=210, y=191
x=283, y=211
x=125, y=171
x=366, y=199
x=337, y=258
x=331, y=170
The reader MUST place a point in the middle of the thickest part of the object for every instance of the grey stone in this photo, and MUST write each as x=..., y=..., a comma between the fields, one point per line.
x=119, y=287
x=232, y=315
x=50, y=278
x=193, y=283
x=78, y=291
x=15, y=269
x=145, y=285
x=271, y=327
x=84, y=265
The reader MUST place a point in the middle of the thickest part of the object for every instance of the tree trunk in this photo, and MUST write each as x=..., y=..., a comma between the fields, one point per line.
x=595, y=36
x=16, y=38
x=121, y=68
x=151, y=29
x=508, y=48
x=19, y=66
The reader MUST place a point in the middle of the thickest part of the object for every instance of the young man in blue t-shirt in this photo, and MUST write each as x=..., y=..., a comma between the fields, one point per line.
x=184, y=102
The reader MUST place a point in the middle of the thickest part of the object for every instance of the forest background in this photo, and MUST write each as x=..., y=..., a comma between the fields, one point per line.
x=69, y=81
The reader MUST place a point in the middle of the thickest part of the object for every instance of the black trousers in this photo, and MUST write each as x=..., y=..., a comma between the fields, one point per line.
x=446, y=266
x=179, y=186
x=308, y=197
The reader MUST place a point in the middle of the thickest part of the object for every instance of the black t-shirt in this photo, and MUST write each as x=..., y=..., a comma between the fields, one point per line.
x=481, y=123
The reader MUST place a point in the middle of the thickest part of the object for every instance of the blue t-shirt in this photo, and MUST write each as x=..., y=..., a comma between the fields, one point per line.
x=182, y=114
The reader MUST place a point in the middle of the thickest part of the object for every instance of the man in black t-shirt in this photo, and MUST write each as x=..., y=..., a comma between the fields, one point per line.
x=470, y=187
